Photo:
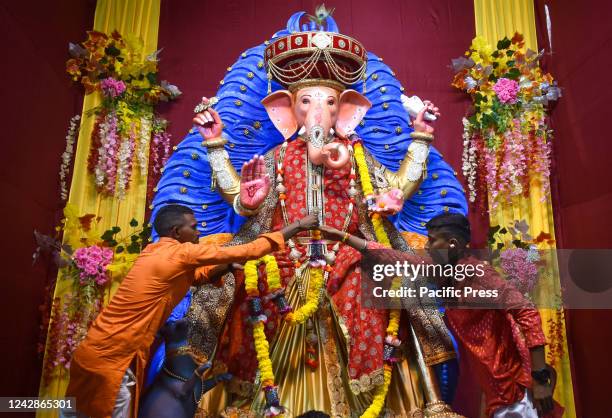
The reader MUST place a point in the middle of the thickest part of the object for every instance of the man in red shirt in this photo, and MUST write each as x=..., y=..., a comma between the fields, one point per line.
x=488, y=336
x=493, y=339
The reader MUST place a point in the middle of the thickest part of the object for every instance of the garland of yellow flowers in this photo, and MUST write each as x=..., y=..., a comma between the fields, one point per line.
x=380, y=393
x=262, y=348
x=368, y=191
x=311, y=305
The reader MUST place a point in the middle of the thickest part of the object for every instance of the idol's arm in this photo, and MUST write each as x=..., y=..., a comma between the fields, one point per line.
x=224, y=173
x=413, y=168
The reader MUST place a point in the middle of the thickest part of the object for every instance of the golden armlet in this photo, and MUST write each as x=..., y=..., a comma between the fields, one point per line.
x=214, y=143
x=422, y=135
x=222, y=168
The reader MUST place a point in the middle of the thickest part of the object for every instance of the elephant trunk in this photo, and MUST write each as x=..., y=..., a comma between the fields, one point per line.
x=333, y=155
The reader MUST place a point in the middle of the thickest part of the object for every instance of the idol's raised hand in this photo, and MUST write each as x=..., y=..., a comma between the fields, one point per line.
x=208, y=121
x=254, y=183
x=419, y=123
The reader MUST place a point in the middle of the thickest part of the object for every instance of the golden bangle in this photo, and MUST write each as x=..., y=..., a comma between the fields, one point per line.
x=422, y=135
x=214, y=143
x=346, y=237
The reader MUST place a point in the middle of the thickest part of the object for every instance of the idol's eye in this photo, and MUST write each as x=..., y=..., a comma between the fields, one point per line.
x=331, y=102
x=305, y=100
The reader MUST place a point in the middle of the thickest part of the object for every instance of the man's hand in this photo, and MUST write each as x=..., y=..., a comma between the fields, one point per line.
x=419, y=123
x=304, y=224
x=208, y=122
x=543, y=393
x=308, y=222
x=331, y=233
x=254, y=183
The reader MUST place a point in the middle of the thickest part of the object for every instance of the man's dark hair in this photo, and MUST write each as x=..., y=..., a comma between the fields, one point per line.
x=451, y=225
x=168, y=217
x=313, y=414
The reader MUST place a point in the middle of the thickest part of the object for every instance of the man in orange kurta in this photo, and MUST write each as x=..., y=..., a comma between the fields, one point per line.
x=161, y=276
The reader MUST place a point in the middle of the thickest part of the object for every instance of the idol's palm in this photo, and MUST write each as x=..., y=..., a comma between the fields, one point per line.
x=254, y=183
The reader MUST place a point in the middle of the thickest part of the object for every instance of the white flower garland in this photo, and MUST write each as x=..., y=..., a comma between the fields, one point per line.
x=100, y=170
x=143, y=143
x=469, y=161
x=73, y=131
x=124, y=166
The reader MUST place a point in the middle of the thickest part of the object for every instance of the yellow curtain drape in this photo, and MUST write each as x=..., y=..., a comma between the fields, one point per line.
x=494, y=20
x=139, y=18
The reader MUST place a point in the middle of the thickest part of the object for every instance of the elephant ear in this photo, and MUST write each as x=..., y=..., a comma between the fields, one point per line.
x=279, y=106
x=351, y=110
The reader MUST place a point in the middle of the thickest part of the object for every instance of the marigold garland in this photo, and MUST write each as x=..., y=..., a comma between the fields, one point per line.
x=300, y=315
x=263, y=354
x=380, y=393
x=262, y=348
x=368, y=190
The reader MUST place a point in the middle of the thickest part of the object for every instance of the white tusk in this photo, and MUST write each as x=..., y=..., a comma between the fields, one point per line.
x=302, y=130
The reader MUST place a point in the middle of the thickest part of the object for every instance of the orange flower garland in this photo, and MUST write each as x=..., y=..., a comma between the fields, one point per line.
x=380, y=393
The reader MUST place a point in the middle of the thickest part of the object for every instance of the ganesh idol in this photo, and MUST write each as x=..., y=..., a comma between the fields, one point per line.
x=309, y=122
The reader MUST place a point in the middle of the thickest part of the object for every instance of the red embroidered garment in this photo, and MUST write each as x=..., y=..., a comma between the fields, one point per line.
x=495, y=341
x=366, y=327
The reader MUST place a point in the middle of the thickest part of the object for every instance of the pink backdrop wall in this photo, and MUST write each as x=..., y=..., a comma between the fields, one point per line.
x=37, y=102
x=582, y=199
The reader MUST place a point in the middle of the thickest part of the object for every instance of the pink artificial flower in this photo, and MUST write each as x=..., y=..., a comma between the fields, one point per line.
x=92, y=262
x=112, y=88
x=520, y=270
x=506, y=90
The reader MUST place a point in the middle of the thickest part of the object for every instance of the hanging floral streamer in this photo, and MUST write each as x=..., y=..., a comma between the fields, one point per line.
x=89, y=260
x=71, y=135
x=506, y=141
x=126, y=123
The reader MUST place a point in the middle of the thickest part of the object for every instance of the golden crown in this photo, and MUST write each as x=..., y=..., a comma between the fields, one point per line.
x=315, y=57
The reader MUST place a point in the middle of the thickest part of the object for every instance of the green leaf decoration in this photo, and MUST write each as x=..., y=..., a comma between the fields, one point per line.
x=133, y=248
x=116, y=229
x=112, y=50
x=112, y=243
x=509, y=53
x=119, y=249
x=513, y=74
x=108, y=235
x=152, y=78
x=504, y=43
x=133, y=223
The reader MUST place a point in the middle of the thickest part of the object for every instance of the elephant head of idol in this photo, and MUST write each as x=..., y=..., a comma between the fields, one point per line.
x=317, y=66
